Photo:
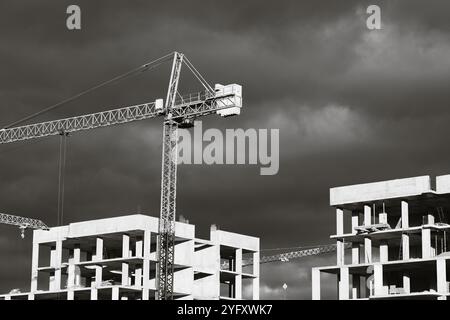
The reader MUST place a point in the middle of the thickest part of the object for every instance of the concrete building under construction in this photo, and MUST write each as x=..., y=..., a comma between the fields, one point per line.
x=391, y=240
x=116, y=259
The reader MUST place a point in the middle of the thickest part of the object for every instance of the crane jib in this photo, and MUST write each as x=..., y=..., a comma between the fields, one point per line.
x=193, y=106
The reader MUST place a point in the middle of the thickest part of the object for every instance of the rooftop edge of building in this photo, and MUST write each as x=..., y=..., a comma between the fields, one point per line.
x=127, y=223
x=389, y=189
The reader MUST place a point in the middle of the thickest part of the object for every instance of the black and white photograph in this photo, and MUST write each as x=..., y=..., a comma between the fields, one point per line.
x=224, y=151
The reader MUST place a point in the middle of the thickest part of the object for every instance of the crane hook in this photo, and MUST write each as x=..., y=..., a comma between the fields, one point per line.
x=22, y=231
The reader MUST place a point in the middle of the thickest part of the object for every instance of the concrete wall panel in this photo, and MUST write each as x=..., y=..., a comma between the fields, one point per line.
x=369, y=192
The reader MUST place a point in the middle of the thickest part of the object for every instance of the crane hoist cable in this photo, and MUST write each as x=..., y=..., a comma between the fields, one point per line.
x=145, y=67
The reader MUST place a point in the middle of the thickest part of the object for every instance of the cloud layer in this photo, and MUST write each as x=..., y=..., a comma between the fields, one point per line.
x=352, y=106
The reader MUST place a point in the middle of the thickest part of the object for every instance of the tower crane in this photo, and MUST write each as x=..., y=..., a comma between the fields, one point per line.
x=287, y=256
x=22, y=222
x=177, y=111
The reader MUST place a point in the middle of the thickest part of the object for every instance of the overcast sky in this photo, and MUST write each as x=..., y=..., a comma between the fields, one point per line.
x=352, y=106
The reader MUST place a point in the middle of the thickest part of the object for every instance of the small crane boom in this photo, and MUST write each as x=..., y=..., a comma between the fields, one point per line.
x=285, y=257
x=22, y=222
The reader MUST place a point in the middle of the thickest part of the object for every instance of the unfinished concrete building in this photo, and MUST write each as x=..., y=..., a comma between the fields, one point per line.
x=391, y=240
x=116, y=259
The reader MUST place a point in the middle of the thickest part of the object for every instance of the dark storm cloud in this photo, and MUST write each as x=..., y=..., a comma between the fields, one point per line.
x=352, y=106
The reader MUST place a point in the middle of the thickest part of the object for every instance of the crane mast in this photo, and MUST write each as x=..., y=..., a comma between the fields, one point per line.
x=166, y=243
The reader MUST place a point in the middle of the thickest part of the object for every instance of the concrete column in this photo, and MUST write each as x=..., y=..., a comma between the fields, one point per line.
x=70, y=274
x=355, y=221
x=378, y=279
x=125, y=254
x=146, y=266
x=139, y=248
x=238, y=279
x=57, y=261
x=94, y=294
x=145, y=294
x=405, y=225
x=238, y=287
x=340, y=252
x=34, y=267
x=406, y=282
x=368, y=288
x=429, y=219
x=344, y=284
x=426, y=243
x=217, y=266
x=70, y=295
x=384, y=254
x=382, y=218
x=77, y=259
x=441, y=273
x=256, y=273
x=339, y=222
x=77, y=253
x=138, y=277
x=99, y=249
x=367, y=215
x=367, y=250
x=355, y=253
x=98, y=275
x=405, y=215
x=73, y=271
x=52, y=277
x=98, y=256
x=315, y=279
x=115, y=293
x=356, y=286
x=125, y=246
x=405, y=246
x=238, y=260
x=53, y=256
x=367, y=241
